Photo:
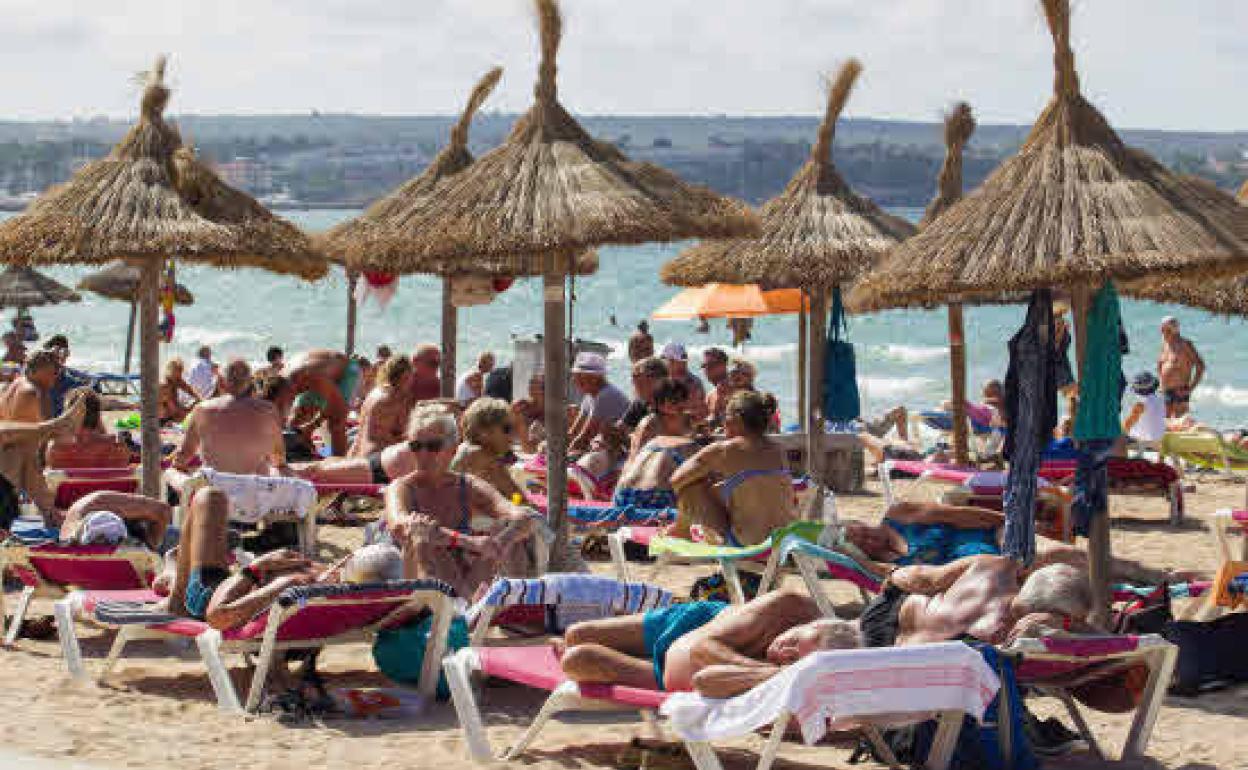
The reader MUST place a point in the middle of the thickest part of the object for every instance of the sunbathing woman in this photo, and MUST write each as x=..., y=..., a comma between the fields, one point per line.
x=755, y=494
x=91, y=446
x=431, y=511
x=646, y=481
x=486, y=450
x=383, y=415
x=173, y=386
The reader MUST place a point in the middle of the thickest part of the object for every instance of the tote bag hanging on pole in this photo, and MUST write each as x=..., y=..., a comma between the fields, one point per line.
x=840, y=375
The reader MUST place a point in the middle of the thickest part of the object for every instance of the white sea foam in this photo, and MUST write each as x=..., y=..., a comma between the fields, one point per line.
x=913, y=354
x=196, y=335
x=895, y=387
x=1227, y=395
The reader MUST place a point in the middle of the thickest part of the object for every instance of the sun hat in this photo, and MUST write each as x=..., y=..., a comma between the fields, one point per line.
x=674, y=351
x=102, y=528
x=1144, y=384
x=589, y=363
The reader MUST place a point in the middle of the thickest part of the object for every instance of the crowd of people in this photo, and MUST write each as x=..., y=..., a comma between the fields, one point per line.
x=456, y=509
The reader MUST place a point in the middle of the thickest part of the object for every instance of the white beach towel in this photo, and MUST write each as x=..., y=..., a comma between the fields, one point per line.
x=254, y=498
x=841, y=688
x=605, y=595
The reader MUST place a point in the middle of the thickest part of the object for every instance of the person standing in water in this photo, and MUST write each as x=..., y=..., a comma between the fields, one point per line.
x=640, y=344
x=1179, y=367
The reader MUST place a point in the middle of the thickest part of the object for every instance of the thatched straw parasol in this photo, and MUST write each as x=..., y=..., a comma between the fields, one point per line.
x=121, y=282
x=549, y=192
x=817, y=234
x=23, y=287
x=1075, y=207
x=1228, y=297
x=150, y=200
x=378, y=239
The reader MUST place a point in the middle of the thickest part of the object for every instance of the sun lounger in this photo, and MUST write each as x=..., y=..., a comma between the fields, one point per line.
x=600, y=514
x=1056, y=666
x=1206, y=450
x=988, y=438
x=69, y=485
x=826, y=687
x=669, y=550
x=576, y=596
x=52, y=570
x=302, y=618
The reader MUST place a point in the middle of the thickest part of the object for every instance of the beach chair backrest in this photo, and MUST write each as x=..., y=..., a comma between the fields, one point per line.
x=1073, y=657
x=85, y=567
x=72, y=489
x=332, y=610
x=562, y=599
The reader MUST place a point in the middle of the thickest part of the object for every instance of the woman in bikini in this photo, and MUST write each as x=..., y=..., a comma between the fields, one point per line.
x=646, y=480
x=486, y=451
x=172, y=387
x=739, y=490
x=431, y=510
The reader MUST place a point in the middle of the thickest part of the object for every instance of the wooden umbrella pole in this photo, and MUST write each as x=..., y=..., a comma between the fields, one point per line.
x=149, y=370
x=1098, y=531
x=134, y=310
x=450, y=335
x=957, y=380
x=802, y=420
x=556, y=364
x=817, y=338
x=353, y=279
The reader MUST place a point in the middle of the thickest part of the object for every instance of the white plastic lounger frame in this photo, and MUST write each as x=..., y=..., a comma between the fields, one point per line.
x=462, y=665
x=1152, y=650
x=212, y=646
x=143, y=561
x=731, y=567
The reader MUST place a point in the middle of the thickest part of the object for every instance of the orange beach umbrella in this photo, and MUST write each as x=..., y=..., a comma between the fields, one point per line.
x=726, y=300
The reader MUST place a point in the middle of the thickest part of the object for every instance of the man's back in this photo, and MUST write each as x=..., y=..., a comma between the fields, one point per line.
x=978, y=603
x=21, y=401
x=237, y=435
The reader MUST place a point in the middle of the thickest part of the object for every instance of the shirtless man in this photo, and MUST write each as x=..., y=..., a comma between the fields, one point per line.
x=14, y=350
x=427, y=373
x=1179, y=367
x=26, y=398
x=715, y=648
x=143, y=519
x=20, y=471
x=234, y=433
x=331, y=379
x=383, y=415
x=431, y=512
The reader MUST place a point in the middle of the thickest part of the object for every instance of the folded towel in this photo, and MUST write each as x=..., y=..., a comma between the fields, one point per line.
x=122, y=613
x=609, y=595
x=254, y=498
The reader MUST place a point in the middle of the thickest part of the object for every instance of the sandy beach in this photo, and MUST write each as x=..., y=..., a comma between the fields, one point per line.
x=160, y=711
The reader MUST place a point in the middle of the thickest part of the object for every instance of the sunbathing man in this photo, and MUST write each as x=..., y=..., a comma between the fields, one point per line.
x=331, y=379
x=111, y=518
x=383, y=415
x=19, y=464
x=432, y=509
x=172, y=388
x=718, y=649
x=755, y=495
x=646, y=480
x=233, y=433
x=91, y=446
x=486, y=449
x=530, y=414
x=26, y=399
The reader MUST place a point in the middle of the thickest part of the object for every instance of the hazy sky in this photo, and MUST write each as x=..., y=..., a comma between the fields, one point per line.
x=1147, y=63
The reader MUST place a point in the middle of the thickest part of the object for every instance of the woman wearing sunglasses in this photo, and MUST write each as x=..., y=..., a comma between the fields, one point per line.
x=486, y=452
x=435, y=513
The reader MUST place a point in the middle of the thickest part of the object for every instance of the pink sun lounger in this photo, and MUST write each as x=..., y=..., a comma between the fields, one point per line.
x=302, y=618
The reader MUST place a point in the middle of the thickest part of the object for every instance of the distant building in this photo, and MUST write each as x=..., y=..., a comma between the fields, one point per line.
x=249, y=174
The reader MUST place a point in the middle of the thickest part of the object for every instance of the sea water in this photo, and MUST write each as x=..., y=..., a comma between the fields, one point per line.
x=902, y=355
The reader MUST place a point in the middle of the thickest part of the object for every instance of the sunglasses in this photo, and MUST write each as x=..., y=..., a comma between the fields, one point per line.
x=507, y=428
x=432, y=445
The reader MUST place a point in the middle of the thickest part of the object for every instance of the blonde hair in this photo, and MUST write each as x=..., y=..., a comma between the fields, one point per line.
x=174, y=363
x=426, y=416
x=392, y=370
x=483, y=414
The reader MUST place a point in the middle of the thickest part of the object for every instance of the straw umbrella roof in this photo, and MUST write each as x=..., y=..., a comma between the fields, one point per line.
x=1074, y=206
x=151, y=198
x=121, y=282
x=551, y=189
x=1221, y=296
x=25, y=287
x=817, y=233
